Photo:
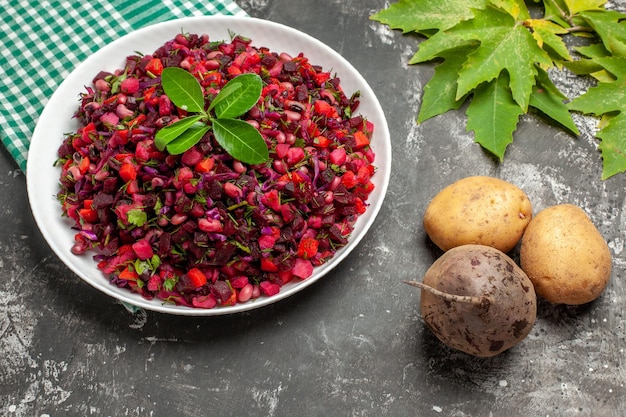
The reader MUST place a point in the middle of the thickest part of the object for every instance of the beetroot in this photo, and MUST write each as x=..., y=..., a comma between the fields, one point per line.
x=476, y=299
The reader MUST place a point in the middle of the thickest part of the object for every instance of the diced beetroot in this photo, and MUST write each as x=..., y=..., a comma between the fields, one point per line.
x=143, y=150
x=239, y=282
x=287, y=212
x=130, y=85
x=154, y=283
x=294, y=155
x=204, y=301
x=281, y=150
x=266, y=242
x=285, y=276
x=221, y=291
x=143, y=249
x=165, y=105
x=192, y=156
x=272, y=200
x=269, y=288
x=303, y=268
x=338, y=156
x=110, y=118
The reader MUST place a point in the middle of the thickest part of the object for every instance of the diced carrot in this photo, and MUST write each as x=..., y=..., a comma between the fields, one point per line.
x=196, y=277
x=307, y=248
x=89, y=215
x=83, y=165
x=132, y=187
x=205, y=165
x=321, y=141
x=154, y=66
x=232, y=300
x=361, y=139
x=324, y=108
x=349, y=179
x=128, y=274
x=268, y=265
x=128, y=172
x=360, y=206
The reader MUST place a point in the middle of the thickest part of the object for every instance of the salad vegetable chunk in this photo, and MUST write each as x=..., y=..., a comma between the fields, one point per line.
x=203, y=229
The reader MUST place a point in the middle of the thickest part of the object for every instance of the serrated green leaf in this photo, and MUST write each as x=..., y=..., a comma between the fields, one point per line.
x=610, y=27
x=493, y=115
x=242, y=93
x=613, y=146
x=440, y=92
x=549, y=100
x=547, y=33
x=168, y=133
x=582, y=66
x=596, y=50
x=505, y=69
x=554, y=12
x=187, y=139
x=494, y=56
x=241, y=140
x=577, y=6
x=427, y=15
x=183, y=89
x=516, y=8
x=498, y=34
x=606, y=97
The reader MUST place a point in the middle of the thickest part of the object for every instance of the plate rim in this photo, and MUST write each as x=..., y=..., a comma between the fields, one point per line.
x=136, y=300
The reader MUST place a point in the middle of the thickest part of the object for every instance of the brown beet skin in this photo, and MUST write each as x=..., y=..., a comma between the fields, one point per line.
x=497, y=306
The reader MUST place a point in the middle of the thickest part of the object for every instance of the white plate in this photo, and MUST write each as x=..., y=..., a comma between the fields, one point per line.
x=56, y=120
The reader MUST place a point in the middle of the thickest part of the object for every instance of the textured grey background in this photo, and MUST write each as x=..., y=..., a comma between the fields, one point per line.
x=353, y=344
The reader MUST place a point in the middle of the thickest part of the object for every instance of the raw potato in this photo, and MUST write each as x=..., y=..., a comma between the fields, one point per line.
x=478, y=210
x=476, y=299
x=565, y=256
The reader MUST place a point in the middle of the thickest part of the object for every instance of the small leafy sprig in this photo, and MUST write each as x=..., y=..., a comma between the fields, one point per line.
x=496, y=56
x=240, y=139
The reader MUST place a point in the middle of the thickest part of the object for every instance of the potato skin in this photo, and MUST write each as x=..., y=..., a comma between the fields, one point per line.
x=485, y=329
x=565, y=256
x=478, y=210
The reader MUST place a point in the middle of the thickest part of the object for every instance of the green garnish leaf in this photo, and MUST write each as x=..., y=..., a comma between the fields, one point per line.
x=171, y=132
x=225, y=92
x=183, y=89
x=240, y=98
x=137, y=217
x=187, y=139
x=241, y=140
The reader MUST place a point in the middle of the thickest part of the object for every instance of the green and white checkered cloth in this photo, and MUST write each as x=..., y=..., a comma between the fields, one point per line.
x=43, y=41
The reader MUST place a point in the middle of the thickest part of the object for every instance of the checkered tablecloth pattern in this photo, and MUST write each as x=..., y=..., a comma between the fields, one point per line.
x=43, y=41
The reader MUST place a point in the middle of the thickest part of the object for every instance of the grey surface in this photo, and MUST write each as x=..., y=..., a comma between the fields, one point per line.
x=353, y=344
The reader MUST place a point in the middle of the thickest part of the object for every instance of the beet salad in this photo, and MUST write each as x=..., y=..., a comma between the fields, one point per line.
x=201, y=228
